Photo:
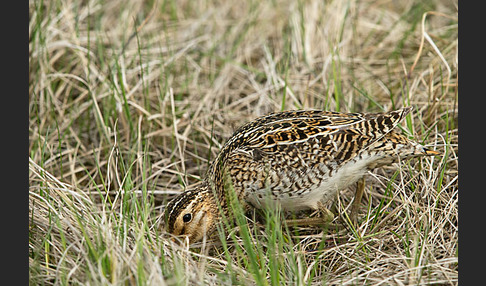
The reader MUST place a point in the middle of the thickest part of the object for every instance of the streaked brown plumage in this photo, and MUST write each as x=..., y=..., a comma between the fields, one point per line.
x=298, y=159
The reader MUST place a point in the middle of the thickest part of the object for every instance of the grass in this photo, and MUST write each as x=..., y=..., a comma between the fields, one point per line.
x=129, y=101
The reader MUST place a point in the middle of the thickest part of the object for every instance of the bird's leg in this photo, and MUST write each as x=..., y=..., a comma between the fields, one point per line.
x=357, y=200
x=326, y=216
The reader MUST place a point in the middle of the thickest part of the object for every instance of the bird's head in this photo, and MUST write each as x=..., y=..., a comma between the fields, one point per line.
x=194, y=214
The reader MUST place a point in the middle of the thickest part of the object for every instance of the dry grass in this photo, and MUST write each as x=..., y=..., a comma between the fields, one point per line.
x=130, y=100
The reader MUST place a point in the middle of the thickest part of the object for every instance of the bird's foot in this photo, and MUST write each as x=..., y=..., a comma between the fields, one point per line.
x=324, y=217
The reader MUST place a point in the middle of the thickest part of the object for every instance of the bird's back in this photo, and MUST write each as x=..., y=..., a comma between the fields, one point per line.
x=301, y=157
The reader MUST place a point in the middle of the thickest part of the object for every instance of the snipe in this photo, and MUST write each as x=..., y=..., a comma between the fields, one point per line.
x=298, y=159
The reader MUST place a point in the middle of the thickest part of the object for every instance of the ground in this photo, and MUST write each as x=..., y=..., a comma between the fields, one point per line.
x=129, y=101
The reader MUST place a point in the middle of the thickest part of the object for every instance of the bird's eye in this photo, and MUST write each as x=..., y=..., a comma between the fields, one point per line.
x=187, y=217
